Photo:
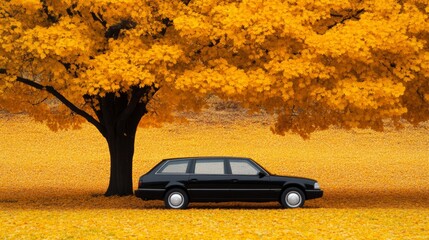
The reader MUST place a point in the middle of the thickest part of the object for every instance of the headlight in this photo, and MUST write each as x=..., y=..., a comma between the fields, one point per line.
x=316, y=186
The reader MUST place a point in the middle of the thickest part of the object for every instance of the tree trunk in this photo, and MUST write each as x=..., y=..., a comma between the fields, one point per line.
x=121, y=127
x=121, y=148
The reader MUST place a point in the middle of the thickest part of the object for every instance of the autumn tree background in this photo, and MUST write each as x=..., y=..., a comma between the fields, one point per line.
x=312, y=64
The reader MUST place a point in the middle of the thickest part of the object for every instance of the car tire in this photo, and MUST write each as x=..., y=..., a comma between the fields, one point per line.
x=292, y=198
x=176, y=199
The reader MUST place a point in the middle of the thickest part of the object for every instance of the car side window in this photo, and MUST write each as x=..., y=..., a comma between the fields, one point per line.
x=175, y=167
x=209, y=167
x=242, y=167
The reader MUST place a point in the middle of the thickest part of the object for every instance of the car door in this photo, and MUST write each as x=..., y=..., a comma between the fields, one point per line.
x=250, y=183
x=208, y=181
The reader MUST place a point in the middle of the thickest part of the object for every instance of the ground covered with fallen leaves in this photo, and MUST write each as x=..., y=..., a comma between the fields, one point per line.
x=376, y=184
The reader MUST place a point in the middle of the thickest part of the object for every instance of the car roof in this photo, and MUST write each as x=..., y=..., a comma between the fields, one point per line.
x=205, y=158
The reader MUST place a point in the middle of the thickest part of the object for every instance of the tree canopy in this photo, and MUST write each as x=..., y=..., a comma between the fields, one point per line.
x=313, y=64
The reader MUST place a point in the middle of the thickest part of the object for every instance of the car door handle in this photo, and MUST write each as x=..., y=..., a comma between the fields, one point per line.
x=234, y=180
x=193, y=180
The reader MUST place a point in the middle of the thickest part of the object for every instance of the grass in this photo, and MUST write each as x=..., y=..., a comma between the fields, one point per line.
x=376, y=184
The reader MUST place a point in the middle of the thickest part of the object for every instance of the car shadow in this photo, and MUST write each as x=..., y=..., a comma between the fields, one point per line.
x=45, y=200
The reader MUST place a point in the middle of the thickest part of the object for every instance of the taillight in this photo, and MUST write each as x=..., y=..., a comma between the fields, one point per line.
x=140, y=184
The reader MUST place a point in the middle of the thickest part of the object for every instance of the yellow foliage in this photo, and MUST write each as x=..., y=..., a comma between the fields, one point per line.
x=354, y=63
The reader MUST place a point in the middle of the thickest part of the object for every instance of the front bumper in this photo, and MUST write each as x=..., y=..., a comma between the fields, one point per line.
x=311, y=194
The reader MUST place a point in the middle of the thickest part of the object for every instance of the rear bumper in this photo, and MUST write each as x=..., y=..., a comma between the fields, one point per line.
x=311, y=194
x=149, y=194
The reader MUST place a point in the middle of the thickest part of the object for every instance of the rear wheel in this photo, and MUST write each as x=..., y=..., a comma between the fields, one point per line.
x=176, y=199
x=292, y=198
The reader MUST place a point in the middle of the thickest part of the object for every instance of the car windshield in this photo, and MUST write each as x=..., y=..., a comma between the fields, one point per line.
x=269, y=173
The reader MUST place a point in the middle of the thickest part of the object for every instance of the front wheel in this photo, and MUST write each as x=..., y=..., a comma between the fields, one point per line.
x=292, y=198
x=176, y=198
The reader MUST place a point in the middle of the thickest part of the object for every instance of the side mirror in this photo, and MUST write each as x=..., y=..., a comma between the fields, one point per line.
x=261, y=174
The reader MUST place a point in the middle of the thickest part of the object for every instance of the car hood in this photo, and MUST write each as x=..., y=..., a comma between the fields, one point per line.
x=293, y=177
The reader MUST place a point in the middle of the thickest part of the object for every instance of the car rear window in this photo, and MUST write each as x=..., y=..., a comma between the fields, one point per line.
x=175, y=167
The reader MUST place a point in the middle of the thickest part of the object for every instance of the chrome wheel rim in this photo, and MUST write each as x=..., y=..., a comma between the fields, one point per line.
x=293, y=199
x=175, y=200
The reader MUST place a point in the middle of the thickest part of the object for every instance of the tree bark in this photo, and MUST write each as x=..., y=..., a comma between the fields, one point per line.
x=120, y=116
x=121, y=148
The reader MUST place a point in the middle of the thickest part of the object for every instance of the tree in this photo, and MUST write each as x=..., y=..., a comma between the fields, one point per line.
x=313, y=64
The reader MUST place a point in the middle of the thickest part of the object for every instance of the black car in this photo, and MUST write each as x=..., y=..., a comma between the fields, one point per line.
x=179, y=181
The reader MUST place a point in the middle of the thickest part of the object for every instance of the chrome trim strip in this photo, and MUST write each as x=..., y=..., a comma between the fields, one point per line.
x=211, y=189
x=172, y=174
x=232, y=189
x=152, y=189
x=215, y=189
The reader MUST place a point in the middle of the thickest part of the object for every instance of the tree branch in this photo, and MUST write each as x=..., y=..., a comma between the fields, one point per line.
x=137, y=94
x=71, y=10
x=39, y=102
x=167, y=23
x=114, y=30
x=355, y=15
x=90, y=99
x=99, y=18
x=141, y=107
x=62, y=99
x=67, y=66
x=51, y=17
x=186, y=2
